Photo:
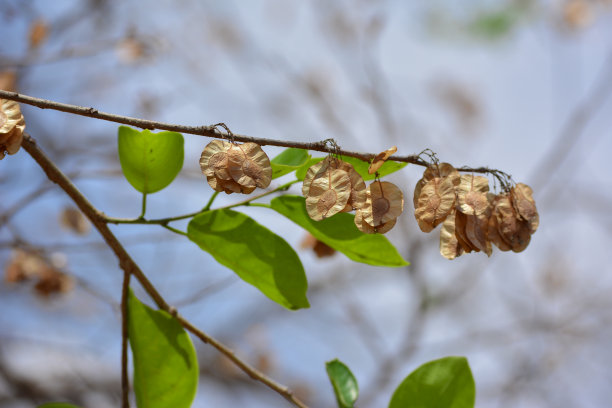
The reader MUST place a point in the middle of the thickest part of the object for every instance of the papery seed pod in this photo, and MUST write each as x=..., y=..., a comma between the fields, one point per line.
x=214, y=160
x=328, y=195
x=449, y=245
x=476, y=231
x=524, y=204
x=315, y=171
x=472, y=195
x=435, y=201
x=12, y=126
x=357, y=196
x=460, y=233
x=493, y=231
x=321, y=249
x=228, y=186
x=384, y=202
x=442, y=170
x=513, y=230
x=249, y=165
x=363, y=226
x=380, y=159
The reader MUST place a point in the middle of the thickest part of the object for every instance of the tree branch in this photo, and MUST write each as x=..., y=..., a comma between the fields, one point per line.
x=125, y=384
x=129, y=266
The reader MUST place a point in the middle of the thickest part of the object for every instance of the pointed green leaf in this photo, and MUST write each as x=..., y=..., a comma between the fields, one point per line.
x=256, y=254
x=288, y=160
x=361, y=167
x=443, y=383
x=340, y=233
x=344, y=383
x=150, y=161
x=165, y=362
x=57, y=405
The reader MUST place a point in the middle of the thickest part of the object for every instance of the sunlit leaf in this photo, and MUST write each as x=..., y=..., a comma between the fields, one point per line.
x=443, y=383
x=344, y=383
x=288, y=160
x=254, y=253
x=165, y=361
x=300, y=173
x=150, y=161
x=340, y=233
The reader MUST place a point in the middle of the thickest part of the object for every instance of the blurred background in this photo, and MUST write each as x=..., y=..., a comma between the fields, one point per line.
x=524, y=86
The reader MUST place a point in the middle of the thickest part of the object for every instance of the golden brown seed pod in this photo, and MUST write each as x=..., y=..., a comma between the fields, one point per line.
x=442, y=170
x=472, y=195
x=524, y=204
x=449, y=245
x=249, y=165
x=476, y=231
x=357, y=197
x=228, y=186
x=12, y=126
x=435, y=201
x=493, y=232
x=460, y=233
x=380, y=159
x=328, y=195
x=363, y=226
x=384, y=202
x=214, y=160
x=315, y=171
x=513, y=230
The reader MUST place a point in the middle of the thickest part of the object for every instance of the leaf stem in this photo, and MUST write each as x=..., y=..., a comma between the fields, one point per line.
x=144, y=206
x=176, y=231
x=210, y=201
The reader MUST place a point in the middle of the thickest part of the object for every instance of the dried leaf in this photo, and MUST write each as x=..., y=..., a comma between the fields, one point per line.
x=328, y=195
x=51, y=281
x=214, y=160
x=449, y=245
x=321, y=249
x=380, y=159
x=249, y=165
x=72, y=219
x=12, y=126
x=8, y=81
x=472, y=195
x=384, y=202
x=363, y=226
x=524, y=204
x=38, y=34
x=577, y=13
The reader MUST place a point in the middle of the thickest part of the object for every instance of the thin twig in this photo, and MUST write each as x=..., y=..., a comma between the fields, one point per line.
x=129, y=266
x=125, y=385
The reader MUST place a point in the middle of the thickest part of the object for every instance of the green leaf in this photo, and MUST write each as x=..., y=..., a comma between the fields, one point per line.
x=256, y=254
x=287, y=161
x=443, y=383
x=340, y=233
x=150, y=161
x=57, y=405
x=301, y=172
x=165, y=362
x=361, y=167
x=344, y=383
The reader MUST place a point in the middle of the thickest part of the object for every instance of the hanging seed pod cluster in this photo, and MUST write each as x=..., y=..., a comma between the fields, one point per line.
x=332, y=186
x=235, y=168
x=12, y=126
x=472, y=217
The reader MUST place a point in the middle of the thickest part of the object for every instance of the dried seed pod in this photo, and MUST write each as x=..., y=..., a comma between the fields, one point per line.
x=249, y=165
x=363, y=226
x=461, y=234
x=513, y=230
x=214, y=160
x=476, y=231
x=228, y=186
x=315, y=171
x=449, y=245
x=12, y=126
x=384, y=202
x=328, y=195
x=357, y=197
x=493, y=231
x=524, y=204
x=435, y=201
x=380, y=159
x=442, y=170
x=472, y=195
x=321, y=249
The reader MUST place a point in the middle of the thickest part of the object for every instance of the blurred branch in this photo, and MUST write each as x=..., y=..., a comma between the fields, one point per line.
x=129, y=266
x=125, y=384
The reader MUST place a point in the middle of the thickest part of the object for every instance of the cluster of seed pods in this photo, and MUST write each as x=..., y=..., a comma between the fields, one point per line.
x=332, y=186
x=473, y=218
x=235, y=168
